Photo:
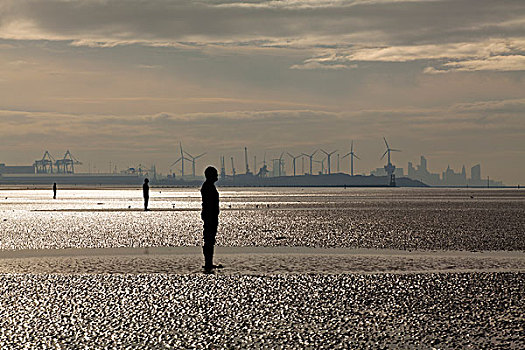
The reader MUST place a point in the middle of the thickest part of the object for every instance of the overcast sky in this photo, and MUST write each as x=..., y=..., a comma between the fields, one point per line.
x=126, y=80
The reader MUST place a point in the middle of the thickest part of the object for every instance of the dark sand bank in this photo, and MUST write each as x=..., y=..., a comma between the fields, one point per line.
x=255, y=260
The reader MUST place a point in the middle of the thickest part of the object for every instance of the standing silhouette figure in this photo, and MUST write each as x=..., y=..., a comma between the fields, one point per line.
x=210, y=216
x=145, y=193
x=54, y=190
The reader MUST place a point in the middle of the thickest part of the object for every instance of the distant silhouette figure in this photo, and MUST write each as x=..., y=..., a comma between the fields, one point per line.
x=145, y=192
x=210, y=216
x=54, y=190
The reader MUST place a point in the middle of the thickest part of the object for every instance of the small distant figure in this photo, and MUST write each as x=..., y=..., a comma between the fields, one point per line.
x=145, y=192
x=54, y=190
x=210, y=216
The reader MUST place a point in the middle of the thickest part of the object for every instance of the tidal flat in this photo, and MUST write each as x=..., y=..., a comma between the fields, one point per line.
x=304, y=268
x=164, y=311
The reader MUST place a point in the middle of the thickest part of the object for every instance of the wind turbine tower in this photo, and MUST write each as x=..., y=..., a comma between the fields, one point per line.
x=352, y=156
x=311, y=157
x=293, y=160
x=193, y=159
x=389, y=168
x=181, y=159
x=278, y=165
x=328, y=155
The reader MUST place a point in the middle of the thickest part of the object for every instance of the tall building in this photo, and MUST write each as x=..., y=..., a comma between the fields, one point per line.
x=475, y=173
x=423, y=164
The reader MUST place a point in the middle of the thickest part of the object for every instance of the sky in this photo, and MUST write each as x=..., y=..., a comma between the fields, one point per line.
x=124, y=81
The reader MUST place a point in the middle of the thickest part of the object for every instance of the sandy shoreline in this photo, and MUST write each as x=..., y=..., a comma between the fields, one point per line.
x=256, y=260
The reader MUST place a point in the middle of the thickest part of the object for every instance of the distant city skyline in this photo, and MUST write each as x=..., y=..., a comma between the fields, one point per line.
x=433, y=176
x=443, y=78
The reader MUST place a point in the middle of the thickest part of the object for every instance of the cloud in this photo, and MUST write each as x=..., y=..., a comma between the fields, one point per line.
x=516, y=106
x=319, y=65
x=495, y=63
x=447, y=33
x=256, y=23
x=274, y=126
x=493, y=55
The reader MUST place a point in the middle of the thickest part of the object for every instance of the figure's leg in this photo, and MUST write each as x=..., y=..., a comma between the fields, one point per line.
x=210, y=230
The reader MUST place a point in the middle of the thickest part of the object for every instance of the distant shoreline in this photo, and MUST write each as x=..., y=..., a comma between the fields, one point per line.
x=197, y=185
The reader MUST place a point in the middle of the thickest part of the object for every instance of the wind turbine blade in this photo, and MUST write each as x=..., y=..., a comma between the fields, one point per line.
x=396, y=150
x=200, y=155
x=333, y=152
x=322, y=150
x=386, y=143
x=281, y=157
x=306, y=155
x=188, y=154
x=383, y=156
x=290, y=155
x=346, y=155
x=352, y=147
x=314, y=153
x=178, y=160
x=355, y=155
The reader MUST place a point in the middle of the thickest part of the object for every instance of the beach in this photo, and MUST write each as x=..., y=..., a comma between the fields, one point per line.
x=322, y=268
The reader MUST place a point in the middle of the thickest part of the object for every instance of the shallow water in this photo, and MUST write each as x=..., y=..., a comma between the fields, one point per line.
x=407, y=219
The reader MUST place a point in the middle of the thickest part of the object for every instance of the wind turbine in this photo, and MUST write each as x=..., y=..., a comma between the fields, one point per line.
x=388, y=150
x=352, y=156
x=280, y=166
x=328, y=155
x=322, y=165
x=193, y=159
x=181, y=159
x=294, y=158
x=311, y=156
x=389, y=168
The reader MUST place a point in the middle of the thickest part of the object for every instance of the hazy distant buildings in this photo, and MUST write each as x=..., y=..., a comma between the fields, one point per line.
x=449, y=177
x=278, y=168
x=16, y=169
x=422, y=174
x=398, y=172
x=452, y=178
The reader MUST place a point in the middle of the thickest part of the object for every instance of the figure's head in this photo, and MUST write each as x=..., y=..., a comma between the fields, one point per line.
x=211, y=174
x=146, y=180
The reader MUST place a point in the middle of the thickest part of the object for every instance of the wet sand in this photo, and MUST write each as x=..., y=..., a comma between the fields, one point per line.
x=436, y=269
x=256, y=260
x=163, y=311
x=265, y=297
